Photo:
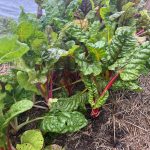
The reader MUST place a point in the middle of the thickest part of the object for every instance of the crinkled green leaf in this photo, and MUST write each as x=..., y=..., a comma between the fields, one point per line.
x=92, y=90
x=11, y=49
x=127, y=19
x=123, y=43
x=104, y=13
x=63, y=122
x=16, y=109
x=25, y=31
x=97, y=49
x=69, y=104
x=53, y=9
x=87, y=68
x=133, y=64
x=133, y=86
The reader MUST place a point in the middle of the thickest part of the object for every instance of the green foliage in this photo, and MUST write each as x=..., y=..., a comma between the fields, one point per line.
x=31, y=139
x=63, y=122
x=92, y=91
x=16, y=109
x=88, y=68
x=70, y=104
x=122, y=43
x=101, y=100
x=132, y=86
x=133, y=63
x=75, y=46
x=11, y=49
x=25, y=31
x=127, y=19
x=23, y=80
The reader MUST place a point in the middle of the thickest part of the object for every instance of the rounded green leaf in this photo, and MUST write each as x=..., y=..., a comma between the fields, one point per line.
x=25, y=31
x=25, y=146
x=63, y=122
x=34, y=137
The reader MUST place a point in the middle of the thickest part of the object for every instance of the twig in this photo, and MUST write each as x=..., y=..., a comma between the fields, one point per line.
x=114, y=126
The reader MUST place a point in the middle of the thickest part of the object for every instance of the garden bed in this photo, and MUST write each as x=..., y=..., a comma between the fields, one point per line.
x=124, y=124
x=74, y=79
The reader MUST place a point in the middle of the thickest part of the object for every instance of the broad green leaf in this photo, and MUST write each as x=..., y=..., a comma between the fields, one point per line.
x=63, y=122
x=33, y=138
x=97, y=49
x=123, y=43
x=133, y=86
x=127, y=18
x=23, y=80
x=87, y=68
x=133, y=64
x=11, y=49
x=16, y=109
x=69, y=104
x=53, y=9
x=25, y=31
x=104, y=13
x=38, y=42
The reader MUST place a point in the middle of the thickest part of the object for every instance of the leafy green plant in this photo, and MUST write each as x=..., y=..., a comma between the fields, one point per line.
x=15, y=110
x=71, y=57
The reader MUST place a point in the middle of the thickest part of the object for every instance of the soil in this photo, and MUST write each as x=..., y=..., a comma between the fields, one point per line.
x=124, y=124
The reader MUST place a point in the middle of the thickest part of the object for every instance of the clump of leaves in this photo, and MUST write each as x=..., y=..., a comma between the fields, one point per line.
x=71, y=60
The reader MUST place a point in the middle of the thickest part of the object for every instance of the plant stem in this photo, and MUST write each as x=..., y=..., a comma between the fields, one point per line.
x=95, y=112
x=78, y=81
x=140, y=32
x=50, y=87
x=109, y=85
x=27, y=122
x=38, y=85
x=37, y=106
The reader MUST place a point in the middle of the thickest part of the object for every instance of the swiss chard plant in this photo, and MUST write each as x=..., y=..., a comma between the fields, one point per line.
x=71, y=57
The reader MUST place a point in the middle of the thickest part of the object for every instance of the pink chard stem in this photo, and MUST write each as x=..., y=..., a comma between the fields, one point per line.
x=95, y=112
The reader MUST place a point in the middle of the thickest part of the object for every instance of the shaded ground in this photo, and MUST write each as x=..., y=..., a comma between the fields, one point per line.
x=124, y=124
